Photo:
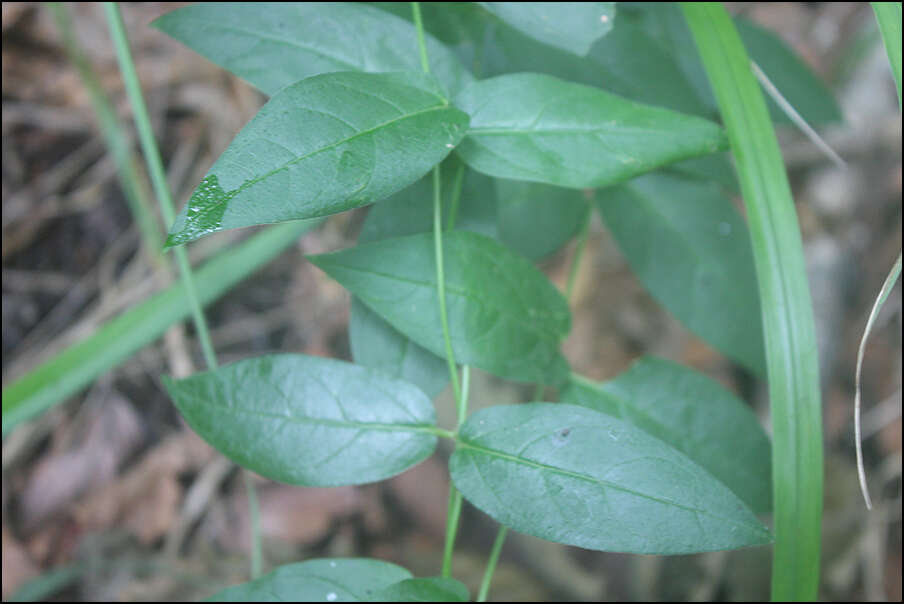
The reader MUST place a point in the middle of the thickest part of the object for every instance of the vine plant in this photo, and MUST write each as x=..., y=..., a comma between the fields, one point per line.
x=482, y=130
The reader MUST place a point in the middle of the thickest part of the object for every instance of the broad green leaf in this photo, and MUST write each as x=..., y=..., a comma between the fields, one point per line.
x=690, y=248
x=374, y=342
x=572, y=26
x=536, y=127
x=715, y=167
x=272, y=45
x=426, y=589
x=576, y=476
x=307, y=420
x=535, y=219
x=377, y=344
x=504, y=315
x=681, y=407
x=328, y=580
x=324, y=145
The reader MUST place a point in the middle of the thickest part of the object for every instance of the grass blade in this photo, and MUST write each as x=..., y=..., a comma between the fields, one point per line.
x=75, y=367
x=888, y=15
x=791, y=352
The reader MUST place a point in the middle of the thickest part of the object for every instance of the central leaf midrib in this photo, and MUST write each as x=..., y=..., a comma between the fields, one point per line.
x=332, y=423
x=520, y=321
x=464, y=444
x=253, y=181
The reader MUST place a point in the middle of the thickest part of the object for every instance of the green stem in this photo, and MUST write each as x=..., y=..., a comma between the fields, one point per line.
x=257, y=555
x=461, y=393
x=456, y=196
x=791, y=353
x=578, y=253
x=421, y=44
x=491, y=564
x=155, y=168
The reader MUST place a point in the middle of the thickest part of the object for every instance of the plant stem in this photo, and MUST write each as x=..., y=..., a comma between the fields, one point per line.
x=456, y=196
x=257, y=556
x=491, y=564
x=461, y=393
x=155, y=168
x=578, y=253
x=791, y=354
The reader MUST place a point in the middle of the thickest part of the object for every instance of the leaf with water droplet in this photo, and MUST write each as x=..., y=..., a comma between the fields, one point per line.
x=324, y=145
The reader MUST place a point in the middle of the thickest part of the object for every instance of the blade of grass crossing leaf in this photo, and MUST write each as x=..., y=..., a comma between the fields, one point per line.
x=794, y=116
x=880, y=302
x=888, y=15
x=787, y=310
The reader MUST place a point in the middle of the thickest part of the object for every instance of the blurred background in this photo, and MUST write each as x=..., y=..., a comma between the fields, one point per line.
x=110, y=497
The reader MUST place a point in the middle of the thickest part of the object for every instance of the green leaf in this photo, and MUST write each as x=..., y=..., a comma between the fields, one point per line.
x=426, y=589
x=377, y=344
x=272, y=45
x=572, y=26
x=691, y=249
x=715, y=167
x=681, y=407
x=307, y=420
x=324, y=145
x=535, y=219
x=374, y=342
x=575, y=476
x=536, y=127
x=504, y=315
x=328, y=580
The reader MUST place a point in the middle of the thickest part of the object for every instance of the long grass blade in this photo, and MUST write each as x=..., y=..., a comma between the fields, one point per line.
x=791, y=351
x=888, y=15
x=77, y=366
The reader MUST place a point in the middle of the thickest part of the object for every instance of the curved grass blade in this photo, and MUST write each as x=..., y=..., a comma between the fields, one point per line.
x=890, y=281
x=791, y=352
x=308, y=420
x=576, y=476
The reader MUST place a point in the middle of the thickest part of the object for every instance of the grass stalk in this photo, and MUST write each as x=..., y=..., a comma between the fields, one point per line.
x=791, y=353
x=155, y=168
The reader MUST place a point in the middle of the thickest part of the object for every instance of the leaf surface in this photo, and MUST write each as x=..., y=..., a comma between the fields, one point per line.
x=307, y=420
x=693, y=414
x=504, y=315
x=423, y=589
x=691, y=249
x=274, y=44
x=538, y=128
x=535, y=219
x=572, y=26
x=328, y=580
x=576, y=476
x=324, y=145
